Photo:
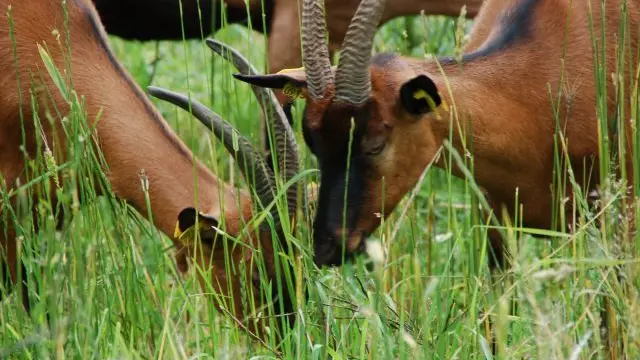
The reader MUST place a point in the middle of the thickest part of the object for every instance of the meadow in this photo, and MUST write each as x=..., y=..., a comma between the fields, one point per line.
x=111, y=288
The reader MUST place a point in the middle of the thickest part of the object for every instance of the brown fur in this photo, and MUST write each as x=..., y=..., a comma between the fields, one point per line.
x=501, y=94
x=131, y=133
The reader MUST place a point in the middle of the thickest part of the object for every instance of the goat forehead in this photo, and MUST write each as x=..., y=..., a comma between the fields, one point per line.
x=336, y=143
x=342, y=122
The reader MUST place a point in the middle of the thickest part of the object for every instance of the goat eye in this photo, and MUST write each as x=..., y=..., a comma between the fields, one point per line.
x=377, y=149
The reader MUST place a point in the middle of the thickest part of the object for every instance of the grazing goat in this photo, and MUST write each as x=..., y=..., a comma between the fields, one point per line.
x=396, y=112
x=133, y=137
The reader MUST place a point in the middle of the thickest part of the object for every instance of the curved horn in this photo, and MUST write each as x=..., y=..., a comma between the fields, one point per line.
x=251, y=164
x=315, y=52
x=286, y=145
x=353, y=80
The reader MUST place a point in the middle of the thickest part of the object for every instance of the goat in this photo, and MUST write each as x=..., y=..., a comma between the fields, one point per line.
x=133, y=137
x=397, y=112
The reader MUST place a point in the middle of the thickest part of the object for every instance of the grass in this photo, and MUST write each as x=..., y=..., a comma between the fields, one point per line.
x=112, y=291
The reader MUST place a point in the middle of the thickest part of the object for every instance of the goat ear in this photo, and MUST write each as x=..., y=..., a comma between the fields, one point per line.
x=293, y=82
x=420, y=95
x=185, y=227
x=279, y=80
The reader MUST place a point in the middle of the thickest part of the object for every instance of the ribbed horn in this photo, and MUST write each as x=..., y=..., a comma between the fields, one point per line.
x=250, y=162
x=286, y=145
x=315, y=52
x=353, y=80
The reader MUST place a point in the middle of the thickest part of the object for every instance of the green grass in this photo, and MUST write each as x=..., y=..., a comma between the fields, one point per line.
x=111, y=288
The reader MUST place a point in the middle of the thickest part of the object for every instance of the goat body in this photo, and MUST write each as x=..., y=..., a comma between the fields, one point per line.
x=495, y=101
x=130, y=132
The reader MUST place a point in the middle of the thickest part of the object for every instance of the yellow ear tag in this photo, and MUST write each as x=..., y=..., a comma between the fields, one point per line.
x=188, y=236
x=445, y=105
x=421, y=94
x=292, y=91
x=177, y=233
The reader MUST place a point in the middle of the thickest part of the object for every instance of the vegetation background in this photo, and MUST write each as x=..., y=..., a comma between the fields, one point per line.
x=111, y=288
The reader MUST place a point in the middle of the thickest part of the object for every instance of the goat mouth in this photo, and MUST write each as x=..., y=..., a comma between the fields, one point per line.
x=332, y=252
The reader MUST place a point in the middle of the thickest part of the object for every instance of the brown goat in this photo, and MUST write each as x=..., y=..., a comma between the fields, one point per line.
x=403, y=109
x=133, y=137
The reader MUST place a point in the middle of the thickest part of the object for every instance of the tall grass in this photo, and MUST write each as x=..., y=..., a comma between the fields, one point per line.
x=109, y=284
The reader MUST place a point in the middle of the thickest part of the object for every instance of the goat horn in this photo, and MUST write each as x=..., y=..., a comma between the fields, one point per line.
x=353, y=80
x=286, y=145
x=315, y=52
x=248, y=160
